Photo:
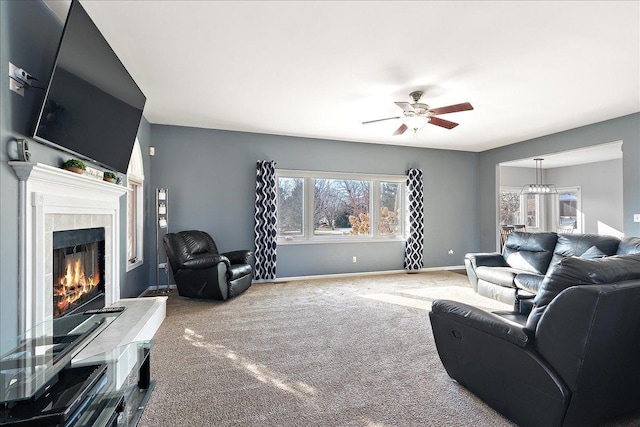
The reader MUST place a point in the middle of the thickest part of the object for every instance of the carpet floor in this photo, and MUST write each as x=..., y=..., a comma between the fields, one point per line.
x=354, y=351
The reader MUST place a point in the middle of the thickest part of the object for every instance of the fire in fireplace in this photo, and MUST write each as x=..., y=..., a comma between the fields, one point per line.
x=78, y=270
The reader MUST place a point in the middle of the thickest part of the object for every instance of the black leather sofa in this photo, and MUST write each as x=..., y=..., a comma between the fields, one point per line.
x=515, y=275
x=201, y=271
x=573, y=361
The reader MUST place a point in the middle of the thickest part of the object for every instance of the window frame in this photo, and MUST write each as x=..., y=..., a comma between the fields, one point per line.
x=308, y=235
x=135, y=177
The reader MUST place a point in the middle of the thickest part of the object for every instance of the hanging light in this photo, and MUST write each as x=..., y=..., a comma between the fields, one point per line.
x=539, y=187
x=416, y=122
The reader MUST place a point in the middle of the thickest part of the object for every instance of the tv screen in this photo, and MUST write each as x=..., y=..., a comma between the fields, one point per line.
x=92, y=107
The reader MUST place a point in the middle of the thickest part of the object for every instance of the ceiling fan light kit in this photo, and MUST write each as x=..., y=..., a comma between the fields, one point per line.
x=539, y=187
x=418, y=114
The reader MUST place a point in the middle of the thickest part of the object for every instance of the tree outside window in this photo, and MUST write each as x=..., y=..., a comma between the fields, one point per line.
x=341, y=207
x=509, y=207
x=291, y=207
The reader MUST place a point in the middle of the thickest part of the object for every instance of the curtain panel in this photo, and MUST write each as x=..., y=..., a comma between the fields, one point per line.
x=414, y=249
x=266, y=232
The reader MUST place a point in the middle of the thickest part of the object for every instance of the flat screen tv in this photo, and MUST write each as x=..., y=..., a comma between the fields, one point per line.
x=92, y=107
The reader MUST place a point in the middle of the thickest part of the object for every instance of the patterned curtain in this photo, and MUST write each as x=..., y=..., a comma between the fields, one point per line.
x=414, y=251
x=266, y=218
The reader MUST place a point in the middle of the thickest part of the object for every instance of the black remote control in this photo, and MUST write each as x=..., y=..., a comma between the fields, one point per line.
x=105, y=310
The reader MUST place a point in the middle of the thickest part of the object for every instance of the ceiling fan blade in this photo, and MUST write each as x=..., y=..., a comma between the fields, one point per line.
x=442, y=123
x=452, y=108
x=405, y=106
x=401, y=129
x=380, y=120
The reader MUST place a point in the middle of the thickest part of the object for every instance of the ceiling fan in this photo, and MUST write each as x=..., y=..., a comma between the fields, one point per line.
x=417, y=115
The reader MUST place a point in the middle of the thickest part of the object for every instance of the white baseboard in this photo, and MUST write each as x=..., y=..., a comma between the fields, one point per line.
x=366, y=273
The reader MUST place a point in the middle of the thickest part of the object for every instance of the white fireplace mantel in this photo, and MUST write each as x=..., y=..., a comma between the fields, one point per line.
x=53, y=199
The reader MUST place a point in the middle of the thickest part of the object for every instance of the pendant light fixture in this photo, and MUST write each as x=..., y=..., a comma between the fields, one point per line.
x=539, y=187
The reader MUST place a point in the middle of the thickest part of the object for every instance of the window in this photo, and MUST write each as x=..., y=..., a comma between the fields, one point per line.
x=321, y=206
x=532, y=205
x=135, y=181
x=510, y=207
x=567, y=211
x=341, y=207
x=290, y=207
x=516, y=208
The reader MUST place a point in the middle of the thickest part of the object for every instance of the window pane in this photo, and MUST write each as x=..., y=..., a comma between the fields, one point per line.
x=568, y=208
x=509, y=208
x=290, y=207
x=390, y=198
x=132, y=229
x=531, y=202
x=341, y=207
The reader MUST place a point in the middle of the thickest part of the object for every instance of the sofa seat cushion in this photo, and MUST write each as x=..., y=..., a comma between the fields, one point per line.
x=502, y=276
x=239, y=270
x=529, y=282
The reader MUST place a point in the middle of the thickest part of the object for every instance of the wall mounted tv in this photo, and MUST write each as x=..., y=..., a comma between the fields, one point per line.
x=92, y=107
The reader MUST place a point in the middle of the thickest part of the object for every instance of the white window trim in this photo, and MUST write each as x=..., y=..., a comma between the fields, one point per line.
x=310, y=238
x=135, y=175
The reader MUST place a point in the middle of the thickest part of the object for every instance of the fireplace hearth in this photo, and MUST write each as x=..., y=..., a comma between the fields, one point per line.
x=78, y=270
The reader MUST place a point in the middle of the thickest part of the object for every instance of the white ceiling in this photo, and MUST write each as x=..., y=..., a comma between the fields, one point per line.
x=598, y=153
x=319, y=68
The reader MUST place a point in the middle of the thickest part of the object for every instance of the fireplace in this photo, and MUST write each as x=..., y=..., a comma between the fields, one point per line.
x=54, y=200
x=78, y=270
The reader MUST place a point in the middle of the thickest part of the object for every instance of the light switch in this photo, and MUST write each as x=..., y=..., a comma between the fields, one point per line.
x=636, y=217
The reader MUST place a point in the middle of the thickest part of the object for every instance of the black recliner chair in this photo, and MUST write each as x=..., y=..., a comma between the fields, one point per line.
x=573, y=361
x=200, y=271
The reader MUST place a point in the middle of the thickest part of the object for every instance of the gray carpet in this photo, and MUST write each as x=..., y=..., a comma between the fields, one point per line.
x=344, y=352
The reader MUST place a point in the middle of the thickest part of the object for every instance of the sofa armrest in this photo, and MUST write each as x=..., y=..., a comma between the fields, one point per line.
x=204, y=261
x=239, y=257
x=482, y=320
x=481, y=259
x=486, y=259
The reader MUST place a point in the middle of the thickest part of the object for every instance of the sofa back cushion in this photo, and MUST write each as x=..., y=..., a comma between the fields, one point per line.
x=577, y=244
x=574, y=271
x=198, y=242
x=530, y=252
x=629, y=245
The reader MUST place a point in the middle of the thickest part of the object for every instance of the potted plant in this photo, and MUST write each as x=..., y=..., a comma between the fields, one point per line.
x=74, y=165
x=109, y=176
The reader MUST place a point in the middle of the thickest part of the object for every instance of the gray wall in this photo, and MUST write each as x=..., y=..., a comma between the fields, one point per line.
x=29, y=37
x=626, y=129
x=210, y=175
x=601, y=190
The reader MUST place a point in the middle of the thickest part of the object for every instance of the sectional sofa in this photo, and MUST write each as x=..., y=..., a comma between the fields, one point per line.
x=572, y=361
x=515, y=275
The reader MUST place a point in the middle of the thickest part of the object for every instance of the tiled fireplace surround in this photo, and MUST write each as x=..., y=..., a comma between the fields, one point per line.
x=52, y=199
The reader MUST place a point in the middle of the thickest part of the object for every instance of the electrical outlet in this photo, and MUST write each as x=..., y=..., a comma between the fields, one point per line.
x=16, y=87
x=450, y=252
x=355, y=259
x=636, y=217
x=162, y=265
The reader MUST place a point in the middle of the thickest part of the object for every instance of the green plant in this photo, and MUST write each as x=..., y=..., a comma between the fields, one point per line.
x=74, y=163
x=109, y=175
